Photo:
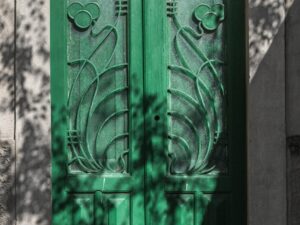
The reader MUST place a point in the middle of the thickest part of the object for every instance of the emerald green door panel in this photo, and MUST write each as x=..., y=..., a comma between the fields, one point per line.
x=195, y=78
x=97, y=83
x=196, y=88
x=196, y=97
x=148, y=112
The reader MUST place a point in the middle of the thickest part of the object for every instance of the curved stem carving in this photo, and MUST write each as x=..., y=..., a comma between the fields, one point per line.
x=209, y=126
x=85, y=103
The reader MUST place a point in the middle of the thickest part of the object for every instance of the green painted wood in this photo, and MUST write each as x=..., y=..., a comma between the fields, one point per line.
x=194, y=74
x=148, y=112
x=96, y=118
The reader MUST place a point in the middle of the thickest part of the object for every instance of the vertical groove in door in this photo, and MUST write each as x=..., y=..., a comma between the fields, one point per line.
x=155, y=59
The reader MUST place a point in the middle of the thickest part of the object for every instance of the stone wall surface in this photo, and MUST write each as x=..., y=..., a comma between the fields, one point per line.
x=267, y=200
x=25, y=159
x=266, y=139
x=7, y=113
x=273, y=112
x=32, y=67
x=293, y=111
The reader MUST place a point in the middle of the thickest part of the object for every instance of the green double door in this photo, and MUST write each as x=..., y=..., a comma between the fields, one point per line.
x=148, y=112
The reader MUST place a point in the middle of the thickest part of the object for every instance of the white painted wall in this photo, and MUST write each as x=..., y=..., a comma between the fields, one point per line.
x=25, y=196
x=7, y=114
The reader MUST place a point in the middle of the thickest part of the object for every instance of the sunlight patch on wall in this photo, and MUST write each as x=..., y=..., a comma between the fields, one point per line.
x=266, y=17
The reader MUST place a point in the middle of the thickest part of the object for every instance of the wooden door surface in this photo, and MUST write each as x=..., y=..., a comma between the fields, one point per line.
x=148, y=112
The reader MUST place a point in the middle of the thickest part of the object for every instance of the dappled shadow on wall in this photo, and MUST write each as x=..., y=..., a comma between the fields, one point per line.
x=25, y=75
x=265, y=19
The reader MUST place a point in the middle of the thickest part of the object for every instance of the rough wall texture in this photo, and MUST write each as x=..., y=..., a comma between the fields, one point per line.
x=7, y=114
x=266, y=143
x=274, y=113
x=25, y=193
x=25, y=196
x=293, y=111
x=265, y=19
x=33, y=159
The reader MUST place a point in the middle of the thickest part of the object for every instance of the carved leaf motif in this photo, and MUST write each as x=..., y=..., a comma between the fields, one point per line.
x=197, y=92
x=97, y=84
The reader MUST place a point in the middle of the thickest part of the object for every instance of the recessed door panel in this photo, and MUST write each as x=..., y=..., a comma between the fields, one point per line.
x=197, y=87
x=97, y=73
x=97, y=82
x=182, y=207
x=82, y=209
x=217, y=209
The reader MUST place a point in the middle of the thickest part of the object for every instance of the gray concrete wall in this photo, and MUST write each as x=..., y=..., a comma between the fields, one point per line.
x=267, y=158
x=293, y=111
x=266, y=143
x=25, y=159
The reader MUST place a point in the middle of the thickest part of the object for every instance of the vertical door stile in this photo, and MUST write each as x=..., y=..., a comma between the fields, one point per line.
x=59, y=111
x=97, y=117
x=155, y=103
x=237, y=83
x=136, y=120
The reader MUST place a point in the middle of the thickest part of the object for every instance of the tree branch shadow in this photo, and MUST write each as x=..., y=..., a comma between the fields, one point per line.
x=265, y=19
x=24, y=61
